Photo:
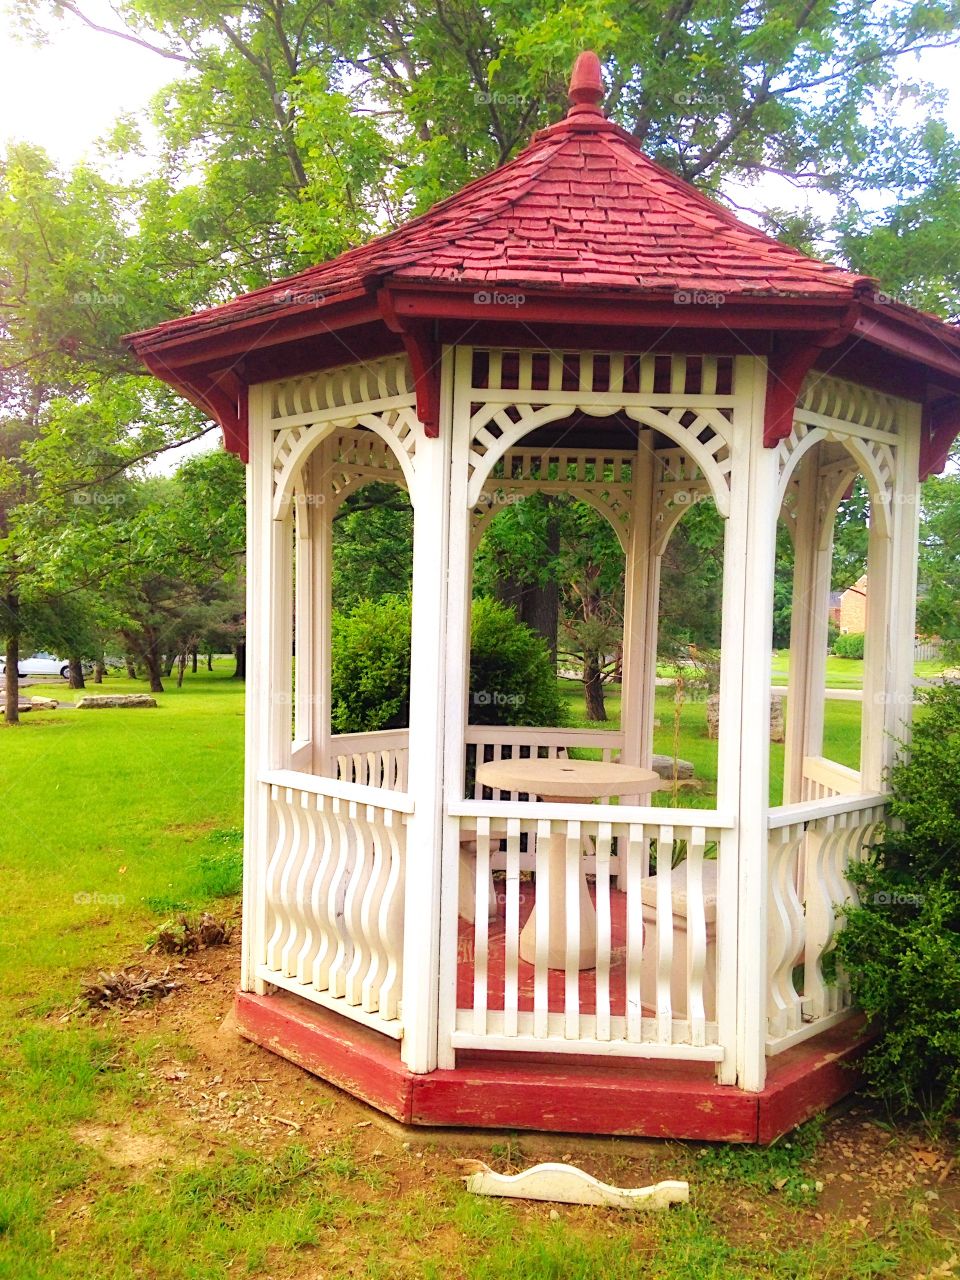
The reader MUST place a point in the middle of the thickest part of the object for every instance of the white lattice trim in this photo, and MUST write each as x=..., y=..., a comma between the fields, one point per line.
x=826, y=397
x=601, y=478
x=873, y=458
x=703, y=434
x=370, y=387
x=396, y=428
x=679, y=485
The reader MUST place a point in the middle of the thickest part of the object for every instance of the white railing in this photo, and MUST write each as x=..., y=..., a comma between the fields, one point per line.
x=334, y=889
x=650, y=984
x=810, y=847
x=376, y=759
x=823, y=779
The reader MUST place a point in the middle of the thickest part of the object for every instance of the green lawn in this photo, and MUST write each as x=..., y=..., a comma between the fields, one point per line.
x=841, y=738
x=142, y=808
x=111, y=813
x=846, y=673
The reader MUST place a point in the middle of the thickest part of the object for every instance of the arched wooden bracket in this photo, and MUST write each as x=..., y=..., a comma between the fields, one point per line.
x=941, y=426
x=787, y=366
x=423, y=352
x=786, y=371
x=223, y=396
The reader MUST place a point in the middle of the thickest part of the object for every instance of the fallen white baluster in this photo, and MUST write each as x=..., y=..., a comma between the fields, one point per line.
x=566, y=1184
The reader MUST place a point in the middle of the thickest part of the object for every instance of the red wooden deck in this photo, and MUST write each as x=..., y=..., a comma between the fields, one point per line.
x=576, y=1095
x=556, y=979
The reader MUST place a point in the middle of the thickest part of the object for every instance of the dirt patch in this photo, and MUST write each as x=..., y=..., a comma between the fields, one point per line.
x=214, y=1089
x=124, y=1148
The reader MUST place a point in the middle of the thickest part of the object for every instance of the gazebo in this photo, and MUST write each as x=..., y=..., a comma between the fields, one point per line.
x=580, y=321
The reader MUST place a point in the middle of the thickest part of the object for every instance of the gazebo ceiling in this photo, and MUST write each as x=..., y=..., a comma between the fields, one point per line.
x=581, y=228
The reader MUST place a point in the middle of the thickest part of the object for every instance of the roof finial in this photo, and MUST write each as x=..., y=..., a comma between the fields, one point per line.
x=586, y=84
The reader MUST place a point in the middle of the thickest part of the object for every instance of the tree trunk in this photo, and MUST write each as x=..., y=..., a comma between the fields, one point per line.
x=210, y=660
x=240, y=653
x=593, y=687
x=150, y=652
x=194, y=658
x=181, y=667
x=170, y=660
x=12, y=655
x=75, y=678
x=130, y=665
x=99, y=670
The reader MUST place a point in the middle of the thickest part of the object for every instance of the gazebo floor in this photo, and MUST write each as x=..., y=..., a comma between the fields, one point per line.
x=588, y=1095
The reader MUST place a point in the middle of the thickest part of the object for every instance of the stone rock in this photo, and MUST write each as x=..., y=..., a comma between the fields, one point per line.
x=713, y=715
x=663, y=765
x=22, y=705
x=116, y=700
x=44, y=704
x=777, y=732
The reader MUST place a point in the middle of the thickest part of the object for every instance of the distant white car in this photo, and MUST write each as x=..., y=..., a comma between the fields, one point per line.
x=40, y=664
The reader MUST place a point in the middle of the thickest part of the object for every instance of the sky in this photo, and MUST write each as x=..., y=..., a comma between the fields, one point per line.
x=68, y=92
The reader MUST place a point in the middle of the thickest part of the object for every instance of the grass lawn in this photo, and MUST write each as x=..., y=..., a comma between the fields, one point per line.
x=149, y=1144
x=847, y=673
x=841, y=738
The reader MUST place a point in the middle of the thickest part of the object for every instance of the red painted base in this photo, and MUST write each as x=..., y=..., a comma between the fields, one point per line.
x=573, y=1095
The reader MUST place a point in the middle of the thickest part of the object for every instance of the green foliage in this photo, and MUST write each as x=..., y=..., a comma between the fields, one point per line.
x=901, y=944
x=370, y=661
x=938, y=609
x=850, y=645
x=511, y=675
x=512, y=680
x=780, y=1167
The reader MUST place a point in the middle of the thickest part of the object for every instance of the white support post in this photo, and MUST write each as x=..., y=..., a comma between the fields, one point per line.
x=809, y=617
x=304, y=613
x=744, y=741
x=268, y=682
x=639, y=663
x=457, y=682
x=428, y=671
x=321, y=527
x=903, y=588
x=877, y=658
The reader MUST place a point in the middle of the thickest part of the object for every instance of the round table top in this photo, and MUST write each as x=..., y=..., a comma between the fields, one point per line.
x=567, y=779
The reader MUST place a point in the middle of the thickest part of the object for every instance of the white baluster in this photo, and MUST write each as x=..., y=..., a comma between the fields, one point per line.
x=696, y=936
x=511, y=986
x=604, y=841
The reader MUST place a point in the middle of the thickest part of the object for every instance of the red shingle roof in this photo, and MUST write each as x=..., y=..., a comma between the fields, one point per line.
x=580, y=209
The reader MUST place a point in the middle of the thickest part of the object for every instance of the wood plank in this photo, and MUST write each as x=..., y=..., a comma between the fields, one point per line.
x=574, y=1095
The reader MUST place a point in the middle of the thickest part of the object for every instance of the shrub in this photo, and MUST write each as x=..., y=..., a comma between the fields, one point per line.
x=512, y=679
x=849, y=645
x=901, y=945
x=370, y=661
